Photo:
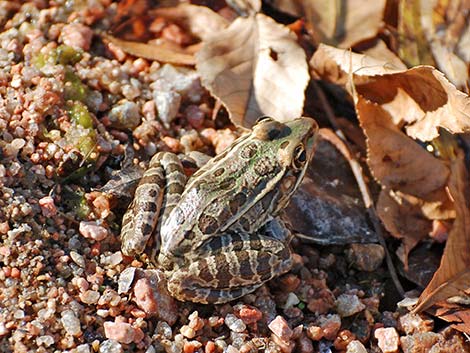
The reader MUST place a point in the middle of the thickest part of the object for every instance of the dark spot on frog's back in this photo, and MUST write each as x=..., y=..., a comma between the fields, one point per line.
x=208, y=224
x=237, y=201
x=264, y=166
x=248, y=151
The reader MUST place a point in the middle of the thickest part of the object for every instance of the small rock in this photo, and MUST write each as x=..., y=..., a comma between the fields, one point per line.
x=71, y=323
x=48, y=208
x=304, y=344
x=419, y=342
x=231, y=349
x=234, y=323
x=348, y=305
x=248, y=314
x=187, y=331
x=111, y=346
x=168, y=105
x=77, y=36
x=151, y=295
x=124, y=115
x=45, y=340
x=77, y=258
x=292, y=300
x=414, y=323
x=366, y=257
x=92, y=230
x=280, y=328
x=315, y=333
x=388, y=339
x=356, y=347
x=83, y=348
x=330, y=325
x=122, y=332
x=90, y=297
x=126, y=278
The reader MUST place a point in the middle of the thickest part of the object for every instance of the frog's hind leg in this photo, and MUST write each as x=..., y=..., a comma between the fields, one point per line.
x=236, y=264
x=160, y=185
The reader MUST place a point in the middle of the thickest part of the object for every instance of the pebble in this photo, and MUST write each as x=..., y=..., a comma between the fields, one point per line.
x=71, y=323
x=388, y=339
x=280, y=328
x=151, y=295
x=234, y=323
x=304, y=344
x=77, y=36
x=83, y=348
x=414, y=323
x=90, y=297
x=330, y=325
x=124, y=115
x=356, y=347
x=126, y=278
x=77, y=258
x=122, y=332
x=45, y=340
x=366, y=257
x=248, y=314
x=187, y=331
x=292, y=300
x=111, y=346
x=92, y=230
x=48, y=208
x=420, y=342
x=348, y=305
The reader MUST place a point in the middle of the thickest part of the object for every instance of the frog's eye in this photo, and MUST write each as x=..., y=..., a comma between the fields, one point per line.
x=300, y=157
x=262, y=118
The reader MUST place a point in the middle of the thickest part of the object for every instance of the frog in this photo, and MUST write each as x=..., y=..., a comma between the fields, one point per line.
x=218, y=235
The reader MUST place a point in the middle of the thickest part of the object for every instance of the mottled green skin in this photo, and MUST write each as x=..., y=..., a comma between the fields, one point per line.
x=219, y=235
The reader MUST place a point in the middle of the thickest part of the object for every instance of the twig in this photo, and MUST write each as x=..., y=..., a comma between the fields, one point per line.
x=339, y=140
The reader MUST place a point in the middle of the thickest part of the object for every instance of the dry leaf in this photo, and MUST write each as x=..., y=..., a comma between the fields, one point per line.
x=420, y=99
x=339, y=23
x=453, y=275
x=446, y=27
x=395, y=160
x=255, y=67
x=152, y=52
x=200, y=21
x=404, y=220
x=381, y=52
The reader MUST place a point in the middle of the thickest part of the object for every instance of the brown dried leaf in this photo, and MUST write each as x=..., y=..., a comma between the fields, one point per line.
x=453, y=275
x=446, y=26
x=255, y=67
x=339, y=23
x=420, y=99
x=395, y=160
x=403, y=219
x=152, y=52
x=200, y=21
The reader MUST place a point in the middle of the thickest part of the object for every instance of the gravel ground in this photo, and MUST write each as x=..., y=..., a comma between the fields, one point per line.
x=72, y=112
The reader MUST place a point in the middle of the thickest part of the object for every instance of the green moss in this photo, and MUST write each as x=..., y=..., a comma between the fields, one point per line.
x=78, y=113
x=74, y=88
x=66, y=55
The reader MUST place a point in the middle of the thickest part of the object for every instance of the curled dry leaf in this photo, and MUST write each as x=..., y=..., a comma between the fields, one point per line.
x=446, y=27
x=395, y=160
x=403, y=219
x=420, y=99
x=200, y=21
x=453, y=275
x=255, y=67
x=152, y=52
x=339, y=23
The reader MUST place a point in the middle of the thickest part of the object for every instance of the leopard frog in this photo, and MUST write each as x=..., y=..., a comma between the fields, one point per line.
x=217, y=233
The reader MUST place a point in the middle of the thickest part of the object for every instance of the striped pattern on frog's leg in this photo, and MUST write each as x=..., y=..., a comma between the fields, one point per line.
x=160, y=187
x=228, y=267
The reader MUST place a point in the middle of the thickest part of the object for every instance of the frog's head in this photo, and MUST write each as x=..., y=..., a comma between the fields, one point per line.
x=292, y=144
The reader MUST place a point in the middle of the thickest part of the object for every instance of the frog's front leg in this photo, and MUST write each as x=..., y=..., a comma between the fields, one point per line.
x=160, y=188
x=228, y=267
